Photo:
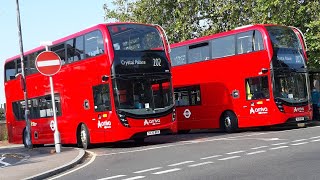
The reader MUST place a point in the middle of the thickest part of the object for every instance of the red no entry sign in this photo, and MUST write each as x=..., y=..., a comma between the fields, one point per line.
x=48, y=63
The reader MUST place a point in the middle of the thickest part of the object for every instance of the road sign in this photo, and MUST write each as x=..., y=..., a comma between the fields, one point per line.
x=48, y=63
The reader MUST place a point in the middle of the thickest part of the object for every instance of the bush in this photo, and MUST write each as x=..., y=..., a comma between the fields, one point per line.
x=3, y=132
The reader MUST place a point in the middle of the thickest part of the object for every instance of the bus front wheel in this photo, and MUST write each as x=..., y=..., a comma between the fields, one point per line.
x=229, y=122
x=84, y=137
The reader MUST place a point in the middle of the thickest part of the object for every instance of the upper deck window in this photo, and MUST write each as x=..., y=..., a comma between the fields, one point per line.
x=93, y=44
x=135, y=37
x=249, y=42
x=75, y=49
x=198, y=52
x=10, y=70
x=179, y=56
x=60, y=51
x=224, y=46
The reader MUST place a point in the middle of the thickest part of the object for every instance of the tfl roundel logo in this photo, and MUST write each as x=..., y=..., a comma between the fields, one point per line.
x=187, y=113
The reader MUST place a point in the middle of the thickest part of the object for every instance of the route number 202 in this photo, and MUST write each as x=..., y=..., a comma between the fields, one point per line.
x=156, y=62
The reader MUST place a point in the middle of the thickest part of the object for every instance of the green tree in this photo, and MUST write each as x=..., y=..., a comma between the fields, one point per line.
x=186, y=19
x=2, y=116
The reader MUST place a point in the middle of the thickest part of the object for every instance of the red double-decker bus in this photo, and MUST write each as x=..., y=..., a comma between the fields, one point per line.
x=252, y=76
x=114, y=84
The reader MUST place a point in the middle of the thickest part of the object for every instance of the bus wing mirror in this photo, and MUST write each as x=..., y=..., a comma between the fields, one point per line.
x=264, y=70
x=105, y=78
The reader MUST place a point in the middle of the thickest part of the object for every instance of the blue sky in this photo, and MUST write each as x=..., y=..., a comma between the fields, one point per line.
x=43, y=20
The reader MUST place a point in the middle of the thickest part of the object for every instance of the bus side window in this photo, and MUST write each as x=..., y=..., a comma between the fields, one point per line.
x=60, y=51
x=178, y=56
x=257, y=88
x=10, y=70
x=258, y=41
x=94, y=45
x=32, y=58
x=187, y=96
x=198, y=52
x=224, y=46
x=75, y=49
x=245, y=42
x=101, y=95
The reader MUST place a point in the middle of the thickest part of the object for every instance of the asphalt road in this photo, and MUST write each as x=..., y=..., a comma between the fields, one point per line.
x=290, y=154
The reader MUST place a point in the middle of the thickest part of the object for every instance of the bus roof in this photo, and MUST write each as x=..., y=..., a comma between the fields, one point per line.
x=221, y=34
x=71, y=36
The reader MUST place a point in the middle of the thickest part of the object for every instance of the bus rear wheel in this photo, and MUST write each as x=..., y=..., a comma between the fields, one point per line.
x=229, y=122
x=25, y=139
x=83, y=137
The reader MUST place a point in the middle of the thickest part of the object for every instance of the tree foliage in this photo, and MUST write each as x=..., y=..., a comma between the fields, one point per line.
x=186, y=19
x=2, y=115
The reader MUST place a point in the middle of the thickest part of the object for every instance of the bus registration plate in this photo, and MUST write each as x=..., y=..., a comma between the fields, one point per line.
x=299, y=118
x=150, y=133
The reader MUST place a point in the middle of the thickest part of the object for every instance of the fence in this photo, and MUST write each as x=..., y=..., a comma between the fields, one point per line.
x=3, y=126
x=3, y=131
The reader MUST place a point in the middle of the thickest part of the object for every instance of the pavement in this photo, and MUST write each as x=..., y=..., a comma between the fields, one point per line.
x=18, y=162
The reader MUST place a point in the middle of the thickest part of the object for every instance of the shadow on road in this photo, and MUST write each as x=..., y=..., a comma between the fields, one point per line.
x=192, y=135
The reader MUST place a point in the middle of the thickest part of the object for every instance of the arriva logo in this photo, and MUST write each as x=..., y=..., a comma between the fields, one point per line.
x=299, y=109
x=261, y=110
x=104, y=124
x=151, y=122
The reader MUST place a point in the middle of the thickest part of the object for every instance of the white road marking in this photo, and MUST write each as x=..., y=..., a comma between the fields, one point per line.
x=297, y=144
x=299, y=140
x=180, y=163
x=112, y=177
x=235, y=152
x=136, y=177
x=94, y=155
x=180, y=144
x=277, y=144
x=279, y=147
x=147, y=170
x=167, y=171
x=201, y=164
x=227, y=158
x=210, y=157
x=260, y=147
x=316, y=140
x=256, y=152
x=4, y=163
x=315, y=137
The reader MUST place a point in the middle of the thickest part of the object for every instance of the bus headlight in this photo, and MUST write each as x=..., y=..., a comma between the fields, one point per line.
x=280, y=106
x=123, y=120
x=173, y=115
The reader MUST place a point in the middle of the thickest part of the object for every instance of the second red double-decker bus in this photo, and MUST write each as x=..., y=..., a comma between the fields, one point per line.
x=248, y=77
x=114, y=84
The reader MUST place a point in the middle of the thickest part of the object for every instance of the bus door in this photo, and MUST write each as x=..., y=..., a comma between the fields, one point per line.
x=102, y=123
x=257, y=107
x=188, y=103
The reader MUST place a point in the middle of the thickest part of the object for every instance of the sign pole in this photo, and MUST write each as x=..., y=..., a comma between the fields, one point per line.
x=26, y=112
x=56, y=135
x=57, y=141
x=48, y=63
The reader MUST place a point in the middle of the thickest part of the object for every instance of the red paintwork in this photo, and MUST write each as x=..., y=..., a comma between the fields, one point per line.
x=74, y=84
x=219, y=77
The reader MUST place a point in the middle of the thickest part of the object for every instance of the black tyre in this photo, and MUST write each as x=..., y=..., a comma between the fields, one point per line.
x=229, y=122
x=184, y=131
x=139, y=140
x=84, y=137
x=24, y=138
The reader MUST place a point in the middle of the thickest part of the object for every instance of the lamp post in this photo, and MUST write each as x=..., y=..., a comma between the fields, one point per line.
x=26, y=135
